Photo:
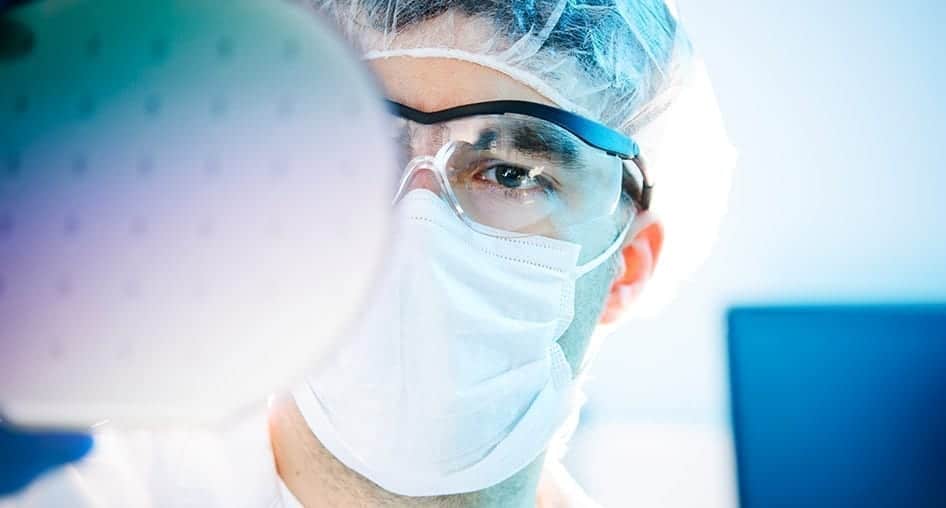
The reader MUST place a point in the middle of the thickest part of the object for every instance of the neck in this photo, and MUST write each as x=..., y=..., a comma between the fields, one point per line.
x=316, y=478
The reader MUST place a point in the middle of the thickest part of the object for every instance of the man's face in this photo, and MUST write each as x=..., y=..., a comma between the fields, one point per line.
x=432, y=84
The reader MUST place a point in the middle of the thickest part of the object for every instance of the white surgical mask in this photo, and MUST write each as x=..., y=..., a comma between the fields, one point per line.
x=453, y=381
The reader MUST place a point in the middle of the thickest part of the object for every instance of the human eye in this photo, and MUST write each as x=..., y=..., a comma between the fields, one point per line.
x=509, y=176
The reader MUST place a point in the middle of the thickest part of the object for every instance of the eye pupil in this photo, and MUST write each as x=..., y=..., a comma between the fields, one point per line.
x=510, y=177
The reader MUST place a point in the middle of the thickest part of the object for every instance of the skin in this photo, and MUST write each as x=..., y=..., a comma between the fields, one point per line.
x=310, y=472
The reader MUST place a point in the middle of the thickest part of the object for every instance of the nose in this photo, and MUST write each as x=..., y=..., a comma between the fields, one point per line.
x=420, y=178
x=423, y=179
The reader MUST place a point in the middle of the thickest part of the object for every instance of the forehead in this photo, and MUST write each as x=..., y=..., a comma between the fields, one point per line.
x=432, y=84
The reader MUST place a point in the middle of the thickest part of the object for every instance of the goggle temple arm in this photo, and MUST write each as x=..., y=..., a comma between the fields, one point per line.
x=637, y=184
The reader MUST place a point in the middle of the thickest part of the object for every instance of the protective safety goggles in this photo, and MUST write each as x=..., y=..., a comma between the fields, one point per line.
x=520, y=168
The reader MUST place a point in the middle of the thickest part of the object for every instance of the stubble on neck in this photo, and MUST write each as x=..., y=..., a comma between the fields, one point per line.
x=316, y=478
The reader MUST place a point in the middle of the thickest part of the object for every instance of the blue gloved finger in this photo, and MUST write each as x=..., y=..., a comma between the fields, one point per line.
x=24, y=455
x=59, y=447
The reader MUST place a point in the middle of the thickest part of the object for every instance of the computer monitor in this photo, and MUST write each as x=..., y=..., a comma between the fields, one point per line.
x=839, y=406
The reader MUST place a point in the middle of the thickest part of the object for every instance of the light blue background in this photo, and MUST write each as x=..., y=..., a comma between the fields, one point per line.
x=838, y=110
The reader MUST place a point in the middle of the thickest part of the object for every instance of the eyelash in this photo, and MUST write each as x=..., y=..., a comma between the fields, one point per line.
x=544, y=183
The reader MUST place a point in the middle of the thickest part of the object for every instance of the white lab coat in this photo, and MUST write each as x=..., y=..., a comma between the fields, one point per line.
x=227, y=467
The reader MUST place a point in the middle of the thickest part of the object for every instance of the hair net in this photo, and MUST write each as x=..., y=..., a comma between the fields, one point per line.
x=625, y=63
x=604, y=59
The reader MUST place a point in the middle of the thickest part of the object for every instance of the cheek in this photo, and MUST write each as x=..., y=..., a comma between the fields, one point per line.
x=591, y=293
x=598, y=235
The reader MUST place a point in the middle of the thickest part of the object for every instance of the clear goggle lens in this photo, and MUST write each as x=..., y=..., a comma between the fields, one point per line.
x=518, y=175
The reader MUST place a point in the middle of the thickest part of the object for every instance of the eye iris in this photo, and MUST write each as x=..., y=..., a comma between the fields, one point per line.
x=510, y=177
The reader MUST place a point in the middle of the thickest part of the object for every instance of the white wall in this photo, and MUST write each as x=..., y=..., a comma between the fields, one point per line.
x=838, y=110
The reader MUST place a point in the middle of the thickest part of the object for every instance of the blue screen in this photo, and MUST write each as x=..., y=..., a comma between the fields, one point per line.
x=839, y=406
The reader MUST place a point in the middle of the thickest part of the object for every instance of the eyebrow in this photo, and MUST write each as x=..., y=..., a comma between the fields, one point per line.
x=534, y=141
x=593, y=133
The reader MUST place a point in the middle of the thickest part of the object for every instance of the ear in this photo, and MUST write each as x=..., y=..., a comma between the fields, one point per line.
x=638, y=259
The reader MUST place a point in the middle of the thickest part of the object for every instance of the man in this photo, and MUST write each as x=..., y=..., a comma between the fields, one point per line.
x=523, y=224
x=387, y=412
